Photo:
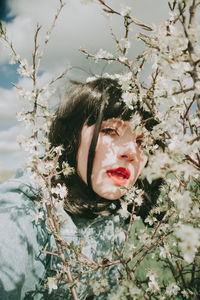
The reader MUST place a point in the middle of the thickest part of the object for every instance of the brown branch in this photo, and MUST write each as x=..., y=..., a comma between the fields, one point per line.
x=49, y=31
x=61, y=75
x=61, y=254
x=10, y=44
x=50, y=253
x=112, y=11
x=189, y=106
x=68, y=270
x=127, y=232
x=149, y=249
x=188, y=157
x=34, y=55
x=183, y=91
x=106, y=59
x=192, y=12
x=198, y=156
x=179, y=267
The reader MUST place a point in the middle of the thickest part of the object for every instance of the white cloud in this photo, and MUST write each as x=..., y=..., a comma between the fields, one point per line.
x=9, y=105
x=8, y=141
x=78, y=25
x=12, y=160
x=12, y=155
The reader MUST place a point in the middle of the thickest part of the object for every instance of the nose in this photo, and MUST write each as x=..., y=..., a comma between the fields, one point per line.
x=127, y=151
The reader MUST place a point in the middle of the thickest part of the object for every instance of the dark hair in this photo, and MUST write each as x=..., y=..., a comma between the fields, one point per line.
x=81, y=105
x=85, y=104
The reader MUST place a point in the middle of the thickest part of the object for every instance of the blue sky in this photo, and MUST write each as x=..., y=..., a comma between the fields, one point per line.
x=8, y=73
x=4, y=11
x=79, y=25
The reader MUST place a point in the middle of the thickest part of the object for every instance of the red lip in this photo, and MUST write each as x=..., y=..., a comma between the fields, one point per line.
x=119, y=175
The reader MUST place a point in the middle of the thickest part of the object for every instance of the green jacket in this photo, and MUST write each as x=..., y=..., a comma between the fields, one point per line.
x=24, y=268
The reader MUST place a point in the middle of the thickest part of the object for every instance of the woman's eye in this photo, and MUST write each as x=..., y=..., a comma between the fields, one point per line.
x=109, y=131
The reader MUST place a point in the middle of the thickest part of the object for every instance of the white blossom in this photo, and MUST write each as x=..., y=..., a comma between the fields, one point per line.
x=158, y=166
x=135, y=121
x=125, y=10
x=150, y=219
x=45, y=167
x=187, y=294
x=24, y=69
x=172, y=289
x=38, y=216
x=66, y=169
x=30, y=145
x=183, y=202
x=26, y=95
x=144, y=237
x=99, y=286
x=120, y=235
x=89, y=79
x=101, y=54
x=130, y=99
x=173, y=15
x=60, y=190
x=138, y=200
x=52, y=284
x=152, y=284
x=122, y=59
x=123, y=211
x=25, y=117
x=164, y=251
x=186, y=170
x=125, y=80
x=189, y=241
x=124, y=43
x=14, y=58
x=38, y=181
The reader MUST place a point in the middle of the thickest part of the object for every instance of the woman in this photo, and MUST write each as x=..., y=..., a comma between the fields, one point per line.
x=100, y=147
x=94, y=127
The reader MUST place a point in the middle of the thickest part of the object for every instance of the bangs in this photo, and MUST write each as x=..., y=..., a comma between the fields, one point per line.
x=118, y=110
x=113, y=110
x=114, y=107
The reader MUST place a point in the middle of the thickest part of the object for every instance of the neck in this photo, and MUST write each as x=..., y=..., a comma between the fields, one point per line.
x=82, y=200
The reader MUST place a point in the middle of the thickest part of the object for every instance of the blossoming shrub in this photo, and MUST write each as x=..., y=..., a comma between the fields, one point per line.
x=161, y=260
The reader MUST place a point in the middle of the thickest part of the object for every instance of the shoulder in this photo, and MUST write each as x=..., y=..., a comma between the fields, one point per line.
x=19, y=235
x=20, y=183
x=17, y=201
x=17, y=197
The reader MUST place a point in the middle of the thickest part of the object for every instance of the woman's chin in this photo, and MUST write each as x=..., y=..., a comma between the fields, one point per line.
x=111, y=193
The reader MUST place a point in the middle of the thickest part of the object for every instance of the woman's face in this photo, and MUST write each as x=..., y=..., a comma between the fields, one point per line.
x=119, y=157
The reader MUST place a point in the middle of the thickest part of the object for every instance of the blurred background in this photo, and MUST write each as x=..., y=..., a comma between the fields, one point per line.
x=81, y=24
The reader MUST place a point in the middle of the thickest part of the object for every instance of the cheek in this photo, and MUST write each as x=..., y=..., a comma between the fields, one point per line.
x=105, y=158
x=105, y=154
x=142, y=163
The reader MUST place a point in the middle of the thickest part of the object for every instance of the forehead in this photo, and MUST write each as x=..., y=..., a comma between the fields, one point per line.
x=116, y=122
x=122, y=125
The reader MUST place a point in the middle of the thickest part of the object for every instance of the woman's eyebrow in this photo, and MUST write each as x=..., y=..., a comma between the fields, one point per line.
x=112, y=122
